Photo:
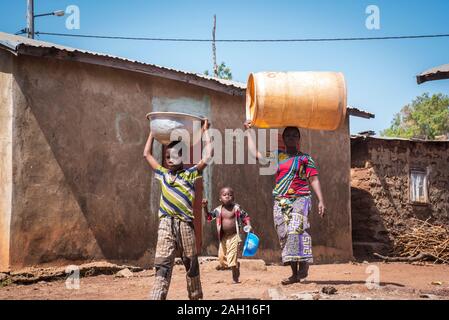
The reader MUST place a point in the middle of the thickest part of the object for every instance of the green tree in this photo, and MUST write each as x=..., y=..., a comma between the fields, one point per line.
x=426, y=117
x=224, y=72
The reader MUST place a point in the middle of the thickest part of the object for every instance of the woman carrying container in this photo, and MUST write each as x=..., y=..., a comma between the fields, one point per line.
x=295, y=175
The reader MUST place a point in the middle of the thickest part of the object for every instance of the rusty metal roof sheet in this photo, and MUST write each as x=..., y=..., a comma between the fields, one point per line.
x=19, y=45
x=437, y=73
x=356, y=112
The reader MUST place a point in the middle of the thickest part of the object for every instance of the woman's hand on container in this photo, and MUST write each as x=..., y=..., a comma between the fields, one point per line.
x=321, y=209
x=247, y=124
x=251, y=144
x=206, y=124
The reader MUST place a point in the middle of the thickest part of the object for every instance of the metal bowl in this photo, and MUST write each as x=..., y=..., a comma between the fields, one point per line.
x=164, y=125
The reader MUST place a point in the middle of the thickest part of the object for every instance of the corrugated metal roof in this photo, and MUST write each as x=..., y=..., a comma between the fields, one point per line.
x=437, y=73
x=21, y=45
x=353, y=111
x=363, y=137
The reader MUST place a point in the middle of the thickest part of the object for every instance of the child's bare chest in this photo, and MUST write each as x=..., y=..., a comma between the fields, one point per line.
x=228, y=221
x=227, y=214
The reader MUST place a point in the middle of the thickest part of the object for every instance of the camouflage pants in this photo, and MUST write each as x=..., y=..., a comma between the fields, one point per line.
x=176, y=237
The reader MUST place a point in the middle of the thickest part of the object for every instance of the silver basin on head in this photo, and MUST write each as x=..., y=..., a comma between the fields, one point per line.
x=164, y=124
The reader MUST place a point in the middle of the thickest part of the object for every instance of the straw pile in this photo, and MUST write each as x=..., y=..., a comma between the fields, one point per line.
x=424, y=241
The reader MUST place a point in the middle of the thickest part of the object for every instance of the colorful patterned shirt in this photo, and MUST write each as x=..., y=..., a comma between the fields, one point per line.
x=178, y=192
x=292, y=175
x=241, y=217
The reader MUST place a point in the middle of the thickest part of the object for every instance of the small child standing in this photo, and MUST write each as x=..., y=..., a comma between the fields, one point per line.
x=230, y=217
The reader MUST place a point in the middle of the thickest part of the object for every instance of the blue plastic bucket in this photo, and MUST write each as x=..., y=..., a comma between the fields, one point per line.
x=251, y=245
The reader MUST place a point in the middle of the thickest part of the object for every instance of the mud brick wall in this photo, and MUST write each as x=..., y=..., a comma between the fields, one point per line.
x=380, y=193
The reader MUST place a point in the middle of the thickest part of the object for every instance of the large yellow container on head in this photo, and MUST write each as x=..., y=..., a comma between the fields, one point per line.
x=312, y=100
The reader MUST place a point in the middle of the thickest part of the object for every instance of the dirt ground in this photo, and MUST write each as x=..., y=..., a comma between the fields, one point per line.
x=397, y=281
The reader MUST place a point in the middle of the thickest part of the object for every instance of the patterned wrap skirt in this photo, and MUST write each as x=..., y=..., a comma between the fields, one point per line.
x=291, y=223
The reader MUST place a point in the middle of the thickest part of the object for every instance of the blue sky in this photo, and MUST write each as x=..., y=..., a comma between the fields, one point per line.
x=380, y=75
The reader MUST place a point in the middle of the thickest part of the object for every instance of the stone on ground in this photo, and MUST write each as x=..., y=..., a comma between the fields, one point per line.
x=125, y=273
x=274, y=294
x=329, y=290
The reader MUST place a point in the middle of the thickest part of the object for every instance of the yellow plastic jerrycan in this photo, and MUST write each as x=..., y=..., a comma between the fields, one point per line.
x=313, y=100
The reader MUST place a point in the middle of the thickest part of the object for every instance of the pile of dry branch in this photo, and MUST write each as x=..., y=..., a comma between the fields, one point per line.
x=424, y=241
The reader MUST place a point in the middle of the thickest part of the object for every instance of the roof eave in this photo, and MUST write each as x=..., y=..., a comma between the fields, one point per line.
x=117, y=63
x=360, y=113
x=356, y=137
x=8, y=46
x=432, y=77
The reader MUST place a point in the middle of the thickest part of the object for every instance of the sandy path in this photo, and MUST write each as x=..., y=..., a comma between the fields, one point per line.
x=398, y=281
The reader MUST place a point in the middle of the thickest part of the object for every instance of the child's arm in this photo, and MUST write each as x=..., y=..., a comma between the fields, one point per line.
x=148, y=152
x=244, y=216
x=210, y=215
x=208, y=149
x=204, y=205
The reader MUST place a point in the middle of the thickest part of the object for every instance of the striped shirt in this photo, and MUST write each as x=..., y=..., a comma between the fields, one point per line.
x=178, y=192
x=292, y=175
